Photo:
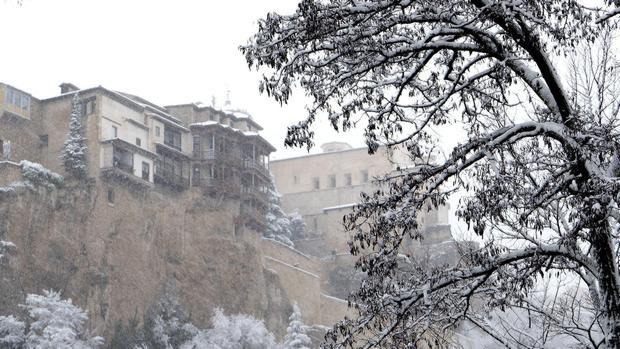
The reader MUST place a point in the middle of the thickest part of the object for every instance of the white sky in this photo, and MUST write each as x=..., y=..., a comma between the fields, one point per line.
x=168, y=52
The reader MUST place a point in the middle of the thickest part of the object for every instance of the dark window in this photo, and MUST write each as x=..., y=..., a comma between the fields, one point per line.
x=138, y=142
x=172, y=138
x=157, y=131
x=111, y=196
x=364, y=176
x=295, y=179
x=316, y=183
x=196, y=175
x=347, y=179
x=114, y=132
x=332, y=181
x=44, y=140
x=315, y=224
x=196, y=145
x=146, y=171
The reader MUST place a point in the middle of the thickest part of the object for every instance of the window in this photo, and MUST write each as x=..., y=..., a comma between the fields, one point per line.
x=157, y=131
x=211, y=141
x=196, y=144
x=17, y=98
x=146, y=171
x=196, y=176
x=295, y=179
x=332, y=181
x=43, y=140
x=364, y=176
x=111, y=196
x=172, y=138
x=212, y=172
x=88, y=107
x=138, y=142
x=316, y=183
x=114, y=132
x=315, y=224
x=347, y=179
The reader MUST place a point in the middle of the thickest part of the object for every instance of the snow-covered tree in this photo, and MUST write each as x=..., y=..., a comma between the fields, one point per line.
x=233, y=332
x=278, y=223
x=52, y=323
x=167, y=326
x=11, y=332
x=296, y=337
x=297, y=226
x=537, y=172
x=5, y=248
x=75, y=151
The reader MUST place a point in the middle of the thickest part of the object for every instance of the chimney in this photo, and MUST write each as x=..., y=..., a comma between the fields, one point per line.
x=67, y=87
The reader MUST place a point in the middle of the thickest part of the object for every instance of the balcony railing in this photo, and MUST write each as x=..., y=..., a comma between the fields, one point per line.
x=204, y=154
x=255, y=165
x=123, y=166
x=220, y=185
x=118, y=158
x=168, y=177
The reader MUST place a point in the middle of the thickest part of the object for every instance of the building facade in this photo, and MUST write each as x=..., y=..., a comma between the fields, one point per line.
x=176, y=148
x=324, y=187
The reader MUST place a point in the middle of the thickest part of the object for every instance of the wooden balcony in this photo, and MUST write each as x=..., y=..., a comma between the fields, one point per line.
x=256, y=166
x=164, y=176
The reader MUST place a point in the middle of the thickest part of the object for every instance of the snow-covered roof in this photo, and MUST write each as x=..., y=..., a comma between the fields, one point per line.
x=339, y=207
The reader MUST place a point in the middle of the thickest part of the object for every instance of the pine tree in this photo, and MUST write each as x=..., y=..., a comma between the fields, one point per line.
x=278, y=223
x=296, y=337
x=74, y=151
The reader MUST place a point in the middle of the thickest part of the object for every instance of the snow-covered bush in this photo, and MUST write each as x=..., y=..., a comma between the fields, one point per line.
x=233, y=332
x=11, y=332
x=5, y=248
x=297, y=226
x=74, y=151
x=296, y=337
x=52, y=323
x=36, y=174
x=166, y=324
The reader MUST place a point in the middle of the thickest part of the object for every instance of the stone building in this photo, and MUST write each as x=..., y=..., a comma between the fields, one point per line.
x=324, y=187
x=130, y=138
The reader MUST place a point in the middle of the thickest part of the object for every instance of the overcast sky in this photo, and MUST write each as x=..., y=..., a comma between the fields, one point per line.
x=168, y=52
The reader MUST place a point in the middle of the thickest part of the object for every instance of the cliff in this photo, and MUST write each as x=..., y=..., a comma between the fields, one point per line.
x=113, y=259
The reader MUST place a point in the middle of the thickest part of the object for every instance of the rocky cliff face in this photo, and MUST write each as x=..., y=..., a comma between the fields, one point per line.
x=114, y=259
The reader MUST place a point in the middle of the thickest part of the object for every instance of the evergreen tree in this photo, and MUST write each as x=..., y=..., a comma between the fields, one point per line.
x=278, y=223
x=296, y=337
x=74, y=151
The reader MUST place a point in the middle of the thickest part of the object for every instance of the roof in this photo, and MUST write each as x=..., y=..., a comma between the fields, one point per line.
x=235, y=115
x=319, y=154
x=129, y=100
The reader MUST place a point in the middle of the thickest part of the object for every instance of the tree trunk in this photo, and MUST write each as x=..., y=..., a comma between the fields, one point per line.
x=608, y=283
